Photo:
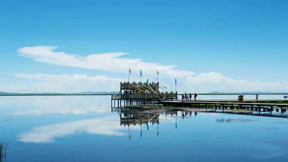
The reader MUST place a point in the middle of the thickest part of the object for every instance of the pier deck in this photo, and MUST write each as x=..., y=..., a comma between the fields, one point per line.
x=135, y=94
x=224, y=105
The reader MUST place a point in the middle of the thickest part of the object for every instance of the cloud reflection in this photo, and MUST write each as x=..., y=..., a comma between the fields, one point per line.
x=59, y=105
x=102, y=126
x=63, y=110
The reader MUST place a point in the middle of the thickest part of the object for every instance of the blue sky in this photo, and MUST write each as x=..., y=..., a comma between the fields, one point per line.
x=227, y=45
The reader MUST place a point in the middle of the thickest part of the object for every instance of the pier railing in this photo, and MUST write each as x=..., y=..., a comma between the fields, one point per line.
x=164, y=96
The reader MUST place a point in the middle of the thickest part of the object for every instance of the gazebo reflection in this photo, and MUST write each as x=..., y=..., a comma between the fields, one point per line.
x=146, y=118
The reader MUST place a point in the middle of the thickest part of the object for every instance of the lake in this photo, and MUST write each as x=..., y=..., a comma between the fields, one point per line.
x=86, y=129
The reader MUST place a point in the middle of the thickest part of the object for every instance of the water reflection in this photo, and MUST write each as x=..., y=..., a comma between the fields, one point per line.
x=111, y=125
x=222, y=120
x=39, y=105
x=132, y=117
x=139, y=117
x=101, y=126
x=146, y=118
x=82, y=133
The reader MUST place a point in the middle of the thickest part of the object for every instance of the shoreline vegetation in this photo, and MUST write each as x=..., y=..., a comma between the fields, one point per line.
x=3, y=148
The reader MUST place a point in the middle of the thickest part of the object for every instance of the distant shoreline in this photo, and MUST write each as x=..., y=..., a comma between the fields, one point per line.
x=74, y=94
x=109, y=94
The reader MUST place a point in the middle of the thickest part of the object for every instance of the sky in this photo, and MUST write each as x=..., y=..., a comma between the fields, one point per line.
x=89, y=45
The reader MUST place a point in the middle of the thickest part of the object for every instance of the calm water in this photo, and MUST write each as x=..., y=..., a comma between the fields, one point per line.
x=46, y=129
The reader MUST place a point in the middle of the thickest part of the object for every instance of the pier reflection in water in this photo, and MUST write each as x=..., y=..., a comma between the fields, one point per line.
x=144, y=118
x=84, y=129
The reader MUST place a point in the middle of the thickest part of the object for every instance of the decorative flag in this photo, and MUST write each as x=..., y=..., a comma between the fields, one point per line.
x=129, y=71
x=140, y=73
x=157, y=76
x=175, y=81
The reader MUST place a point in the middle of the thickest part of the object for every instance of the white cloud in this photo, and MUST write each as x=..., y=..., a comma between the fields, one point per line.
x=207, y=82
x=203, y=82
x=110, y=62
x=102, y=126
x=116, y=62
x=63, y=83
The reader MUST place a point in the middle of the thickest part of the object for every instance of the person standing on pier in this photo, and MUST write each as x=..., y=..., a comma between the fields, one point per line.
x=186, y=96
x=195, y=96
x=257, y=96
x=190, y=96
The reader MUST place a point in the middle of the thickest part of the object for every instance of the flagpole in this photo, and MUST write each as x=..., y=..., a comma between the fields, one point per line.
x=175, y=88
x=129, y=75
x=157, y=76
x=175, y=85
x=140, y=76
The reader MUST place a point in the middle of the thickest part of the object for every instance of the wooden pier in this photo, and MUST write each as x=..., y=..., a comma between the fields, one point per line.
x=140, y=94
x=252, y=106
x=149, y=94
